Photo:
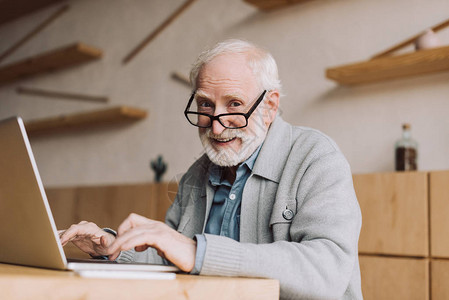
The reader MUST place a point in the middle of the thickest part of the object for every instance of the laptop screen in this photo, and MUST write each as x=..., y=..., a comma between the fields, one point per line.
x=28, y=232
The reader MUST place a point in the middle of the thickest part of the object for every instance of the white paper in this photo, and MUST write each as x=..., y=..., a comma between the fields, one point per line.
x=126, y=275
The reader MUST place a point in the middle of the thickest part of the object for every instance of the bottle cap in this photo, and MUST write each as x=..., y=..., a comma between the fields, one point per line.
x=406, y=126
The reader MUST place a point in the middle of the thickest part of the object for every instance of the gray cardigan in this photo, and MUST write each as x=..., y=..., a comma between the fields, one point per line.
x=314, y=255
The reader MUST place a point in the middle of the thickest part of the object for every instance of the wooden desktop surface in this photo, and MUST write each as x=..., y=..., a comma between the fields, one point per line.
x=19, y=282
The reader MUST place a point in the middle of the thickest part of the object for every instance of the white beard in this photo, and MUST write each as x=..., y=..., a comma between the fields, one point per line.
x=227, y=156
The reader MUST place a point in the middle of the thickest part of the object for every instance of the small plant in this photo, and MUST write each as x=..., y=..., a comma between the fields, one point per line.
x=159, y=167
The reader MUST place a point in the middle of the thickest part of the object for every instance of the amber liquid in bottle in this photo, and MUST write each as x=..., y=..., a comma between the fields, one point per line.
x=406, y=152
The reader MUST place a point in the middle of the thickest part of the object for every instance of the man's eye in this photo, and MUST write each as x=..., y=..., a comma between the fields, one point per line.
x=204, y=104
x=235, y=104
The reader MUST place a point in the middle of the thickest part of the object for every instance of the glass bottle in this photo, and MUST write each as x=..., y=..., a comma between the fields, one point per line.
x=406, y=148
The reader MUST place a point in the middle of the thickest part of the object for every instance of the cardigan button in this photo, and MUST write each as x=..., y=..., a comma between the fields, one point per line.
x=288, y=214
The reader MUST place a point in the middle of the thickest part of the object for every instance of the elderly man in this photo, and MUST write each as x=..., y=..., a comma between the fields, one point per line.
x=266, y=200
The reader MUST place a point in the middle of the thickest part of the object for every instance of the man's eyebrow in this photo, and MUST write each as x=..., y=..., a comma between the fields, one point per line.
x=202, y=94
x=235, y=96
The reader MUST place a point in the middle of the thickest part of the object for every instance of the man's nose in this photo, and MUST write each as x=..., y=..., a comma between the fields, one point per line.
x=217, y=128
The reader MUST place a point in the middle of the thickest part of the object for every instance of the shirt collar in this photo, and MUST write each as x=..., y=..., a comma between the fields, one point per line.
x=252, y=159
x=215, y=172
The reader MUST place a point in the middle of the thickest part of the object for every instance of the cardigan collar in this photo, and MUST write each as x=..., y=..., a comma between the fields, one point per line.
x=274, y=152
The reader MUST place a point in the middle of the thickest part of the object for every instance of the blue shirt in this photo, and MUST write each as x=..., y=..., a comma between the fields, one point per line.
x=224, y=215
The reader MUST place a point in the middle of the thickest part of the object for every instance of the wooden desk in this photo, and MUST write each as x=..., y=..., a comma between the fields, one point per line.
x=17, y=282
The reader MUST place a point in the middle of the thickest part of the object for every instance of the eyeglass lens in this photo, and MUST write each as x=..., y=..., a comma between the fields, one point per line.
x=201, y=114
x=229, y=121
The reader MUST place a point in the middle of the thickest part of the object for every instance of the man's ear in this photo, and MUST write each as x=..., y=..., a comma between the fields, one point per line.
x=271, y=106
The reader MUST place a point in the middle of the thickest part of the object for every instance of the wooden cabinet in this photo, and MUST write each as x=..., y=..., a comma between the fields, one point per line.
x=404, y=241
x=439, y=214
x=440, y=278
x=394, y=278
x=108, y=205
x=404, y=213
x=395, y=213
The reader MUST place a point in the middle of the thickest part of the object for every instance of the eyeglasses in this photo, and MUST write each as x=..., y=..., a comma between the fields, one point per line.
x=230, y=120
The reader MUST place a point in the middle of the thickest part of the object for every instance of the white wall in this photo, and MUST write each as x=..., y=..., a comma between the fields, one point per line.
x=305, y=39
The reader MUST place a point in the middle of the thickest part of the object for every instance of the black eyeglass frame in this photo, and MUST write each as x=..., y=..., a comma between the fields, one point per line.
x=217, y=117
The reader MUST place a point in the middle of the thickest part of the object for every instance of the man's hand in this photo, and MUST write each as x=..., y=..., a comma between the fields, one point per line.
x=140, y=233
x=88, y=237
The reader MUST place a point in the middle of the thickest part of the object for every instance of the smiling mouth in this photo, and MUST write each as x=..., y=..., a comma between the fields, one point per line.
x=223, y=141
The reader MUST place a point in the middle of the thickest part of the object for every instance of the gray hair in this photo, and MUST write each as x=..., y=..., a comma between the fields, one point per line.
x=260, y=61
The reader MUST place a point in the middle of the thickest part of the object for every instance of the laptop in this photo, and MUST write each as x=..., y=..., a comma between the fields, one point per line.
x=27, y=231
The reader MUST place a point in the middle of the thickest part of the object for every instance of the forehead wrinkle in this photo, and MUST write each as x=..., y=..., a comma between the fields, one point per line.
x=209, y=79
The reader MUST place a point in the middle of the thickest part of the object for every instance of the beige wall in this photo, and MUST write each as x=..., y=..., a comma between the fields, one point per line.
x=305, y=39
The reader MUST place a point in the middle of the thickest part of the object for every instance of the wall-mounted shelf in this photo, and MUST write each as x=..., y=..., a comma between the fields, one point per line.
x=60, y=58
x=391, y=67
x=13, y=9
x=272, y=4
x=103, y=117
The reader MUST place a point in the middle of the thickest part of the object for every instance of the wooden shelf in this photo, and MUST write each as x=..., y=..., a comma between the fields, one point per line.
x=392, y=67
x=13, y=9
x=272, y=4
x=103, y=117
x=60, y=58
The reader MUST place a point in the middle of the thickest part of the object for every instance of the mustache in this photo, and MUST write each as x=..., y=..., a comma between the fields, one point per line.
x=226, y=134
